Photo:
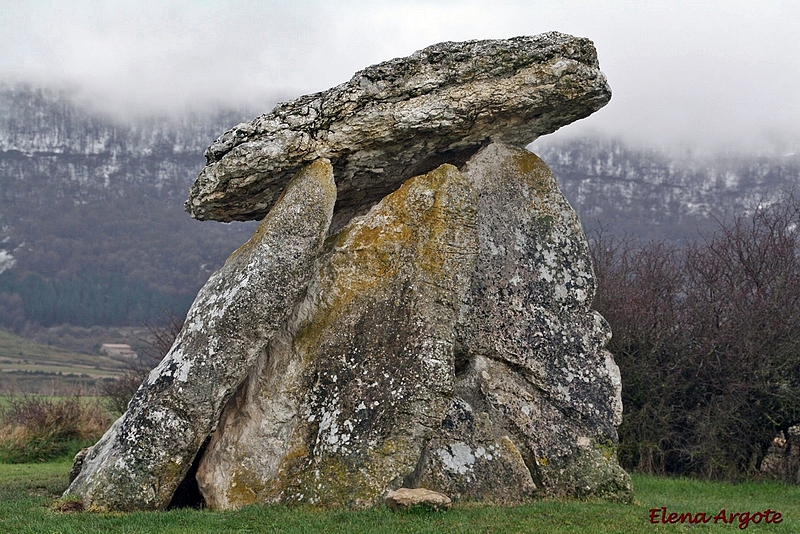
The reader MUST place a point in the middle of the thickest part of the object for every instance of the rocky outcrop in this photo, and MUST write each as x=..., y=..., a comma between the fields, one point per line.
x=446, y=342
x=443, y=340
x=146, y=454
x=402, y=118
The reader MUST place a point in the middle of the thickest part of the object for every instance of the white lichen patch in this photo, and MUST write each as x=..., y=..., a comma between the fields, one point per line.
x=564, y=392
x=7, y=261
x=184, y=365
x=457, y=457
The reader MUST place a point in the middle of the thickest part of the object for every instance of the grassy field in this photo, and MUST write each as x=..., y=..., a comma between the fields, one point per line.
x=30, y=367
x=27, y=493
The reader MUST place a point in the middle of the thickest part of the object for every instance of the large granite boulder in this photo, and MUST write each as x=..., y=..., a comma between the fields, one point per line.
x=443, y=341
x=145, y=455
x=402, y=118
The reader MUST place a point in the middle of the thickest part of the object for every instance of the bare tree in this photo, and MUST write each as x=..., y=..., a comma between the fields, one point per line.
x=707, y=337
x=118, y=393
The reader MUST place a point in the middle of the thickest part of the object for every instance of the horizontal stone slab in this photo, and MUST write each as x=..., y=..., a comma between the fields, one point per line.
x=402, y=118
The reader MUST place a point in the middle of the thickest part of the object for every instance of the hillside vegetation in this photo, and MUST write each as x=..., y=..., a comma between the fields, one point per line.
x=30, y=367
x=91, y=221
x=93, y=232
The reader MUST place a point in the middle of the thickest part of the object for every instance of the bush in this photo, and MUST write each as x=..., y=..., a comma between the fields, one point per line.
x=707, y=337
x=38, y=429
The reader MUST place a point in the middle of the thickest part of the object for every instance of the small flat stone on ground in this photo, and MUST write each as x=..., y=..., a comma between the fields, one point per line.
x=409, y=498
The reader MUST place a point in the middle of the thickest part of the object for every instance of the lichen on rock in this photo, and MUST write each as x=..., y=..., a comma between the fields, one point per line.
x=532, y=351
x=145, y=455
x=372, y=359
x=431, y=351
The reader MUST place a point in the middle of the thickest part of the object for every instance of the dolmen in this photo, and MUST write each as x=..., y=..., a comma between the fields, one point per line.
x=413, y=311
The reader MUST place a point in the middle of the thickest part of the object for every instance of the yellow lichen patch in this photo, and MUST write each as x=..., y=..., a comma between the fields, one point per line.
x=606, y=448
x=538, y=175
x=294, y=458
x=415, y=225
x=508, y=445
x=410, y=221
x=247, y=488
x=336, y=481
x=243, y=489
x=439, y=221
x=294, y=455
x=333, y=483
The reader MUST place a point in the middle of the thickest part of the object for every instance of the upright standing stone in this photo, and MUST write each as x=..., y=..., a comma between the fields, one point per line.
x=141, y=460
x=339, y=412
x=534, y=383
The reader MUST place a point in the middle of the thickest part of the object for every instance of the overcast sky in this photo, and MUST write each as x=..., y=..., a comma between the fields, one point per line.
x=706, y=73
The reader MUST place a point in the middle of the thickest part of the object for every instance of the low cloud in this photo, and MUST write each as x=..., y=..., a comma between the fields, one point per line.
x=715, y=74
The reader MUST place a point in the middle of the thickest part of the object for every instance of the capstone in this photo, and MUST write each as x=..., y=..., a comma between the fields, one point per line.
x=402, y=118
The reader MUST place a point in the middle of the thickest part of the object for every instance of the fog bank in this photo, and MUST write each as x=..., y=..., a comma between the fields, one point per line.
x=684, y=74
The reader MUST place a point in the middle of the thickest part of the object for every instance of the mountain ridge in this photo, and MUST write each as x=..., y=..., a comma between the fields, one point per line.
x=91, y=221
x=92, y=227
x=657, y=194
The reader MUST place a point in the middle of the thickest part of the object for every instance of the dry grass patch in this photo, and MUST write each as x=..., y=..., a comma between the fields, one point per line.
x=38, y=429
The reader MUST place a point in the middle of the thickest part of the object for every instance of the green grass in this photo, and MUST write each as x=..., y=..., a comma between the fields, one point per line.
x=28, y=491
